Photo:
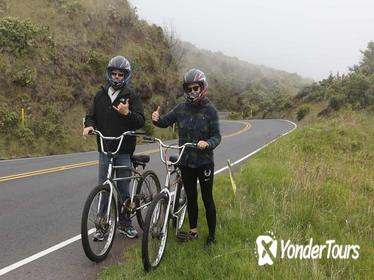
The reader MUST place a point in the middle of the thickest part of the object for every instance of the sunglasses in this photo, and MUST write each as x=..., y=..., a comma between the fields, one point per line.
x=194, y=88
x=119, y=74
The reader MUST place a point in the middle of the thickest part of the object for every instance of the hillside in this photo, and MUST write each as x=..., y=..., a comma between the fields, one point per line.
x=353, y=91
x=53, y=55
x=240, y=80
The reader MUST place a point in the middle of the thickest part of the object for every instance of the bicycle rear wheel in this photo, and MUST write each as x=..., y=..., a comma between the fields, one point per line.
x=97, y=229
x=146, y=190
x=180, y=206
x=155, y=233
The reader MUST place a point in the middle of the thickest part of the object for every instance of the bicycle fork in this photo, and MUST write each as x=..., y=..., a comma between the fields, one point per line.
x=107, y=182
x=110, y=183
x=168, y=194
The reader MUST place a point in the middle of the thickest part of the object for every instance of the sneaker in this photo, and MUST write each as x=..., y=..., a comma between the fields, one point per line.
x=192, y=235
x=129, y=231
x=210, y=241
x=99, y=235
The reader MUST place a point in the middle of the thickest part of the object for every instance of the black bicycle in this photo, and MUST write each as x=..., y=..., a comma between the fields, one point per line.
x=104, y=203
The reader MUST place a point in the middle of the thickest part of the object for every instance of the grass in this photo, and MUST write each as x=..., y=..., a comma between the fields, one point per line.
x=316, y=183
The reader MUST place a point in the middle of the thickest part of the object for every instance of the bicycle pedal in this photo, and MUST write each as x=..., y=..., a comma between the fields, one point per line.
x=143, y=198
x=186, y=236
x=182, y=236
x=128, y=206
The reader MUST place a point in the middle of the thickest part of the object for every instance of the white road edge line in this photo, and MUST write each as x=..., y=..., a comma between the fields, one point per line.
x=78, y=237
x=259, y=149
x=41, y=254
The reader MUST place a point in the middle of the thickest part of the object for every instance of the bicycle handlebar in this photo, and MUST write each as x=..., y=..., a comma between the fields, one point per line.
x=120, y=138
x=175, y=147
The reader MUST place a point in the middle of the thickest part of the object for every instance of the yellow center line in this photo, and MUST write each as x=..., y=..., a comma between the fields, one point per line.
x=247, y=126
x=48, y=170
x=90, y=163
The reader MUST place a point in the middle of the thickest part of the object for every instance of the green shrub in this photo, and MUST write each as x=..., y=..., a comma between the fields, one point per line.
x=96, y=61
x=24, y=77
x=18, y=36
x=148, y=126
x=336, y=102
x=234, y=116
x=24, y=135
x=8, y=120
x=69, y=7
x=302, y=112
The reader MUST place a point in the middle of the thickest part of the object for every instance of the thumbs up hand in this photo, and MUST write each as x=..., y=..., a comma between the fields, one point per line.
x=156, y=114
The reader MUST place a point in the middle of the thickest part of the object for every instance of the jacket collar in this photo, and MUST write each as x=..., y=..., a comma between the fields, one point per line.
x=202, y=103
x=124, y=91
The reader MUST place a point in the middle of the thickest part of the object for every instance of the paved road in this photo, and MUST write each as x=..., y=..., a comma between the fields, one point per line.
x=40, y=211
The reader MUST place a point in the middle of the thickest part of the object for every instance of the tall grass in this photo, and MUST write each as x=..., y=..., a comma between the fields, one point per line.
x=316, y=183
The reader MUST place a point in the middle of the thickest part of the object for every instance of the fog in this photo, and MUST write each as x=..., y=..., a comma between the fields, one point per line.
x=310, y=37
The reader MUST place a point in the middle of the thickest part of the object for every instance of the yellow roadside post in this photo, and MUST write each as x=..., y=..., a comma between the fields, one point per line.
x=231, y=177
x=23, y=118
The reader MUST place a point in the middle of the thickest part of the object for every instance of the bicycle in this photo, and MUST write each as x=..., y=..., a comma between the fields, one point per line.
x=168, y=204
x=104, y=204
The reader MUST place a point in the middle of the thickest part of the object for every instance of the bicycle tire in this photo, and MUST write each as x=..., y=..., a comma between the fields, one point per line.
x=147, y=188
x=154, y=238
x=180, y=205
x=88, y=243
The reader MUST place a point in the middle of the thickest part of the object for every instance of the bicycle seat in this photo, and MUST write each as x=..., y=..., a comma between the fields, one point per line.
x=140, y=158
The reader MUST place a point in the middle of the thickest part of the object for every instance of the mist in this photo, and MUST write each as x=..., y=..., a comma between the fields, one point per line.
x=310, y=38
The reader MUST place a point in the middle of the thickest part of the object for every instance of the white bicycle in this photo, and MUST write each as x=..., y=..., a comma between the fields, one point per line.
x=170, y=203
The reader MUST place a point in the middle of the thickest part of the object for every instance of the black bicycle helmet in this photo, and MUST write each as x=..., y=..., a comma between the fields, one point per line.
x=122, y=64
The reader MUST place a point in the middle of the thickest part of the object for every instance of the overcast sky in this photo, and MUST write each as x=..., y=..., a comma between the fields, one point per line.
x=309, y=37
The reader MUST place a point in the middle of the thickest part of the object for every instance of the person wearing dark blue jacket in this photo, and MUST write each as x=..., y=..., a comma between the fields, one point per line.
x=197, y=121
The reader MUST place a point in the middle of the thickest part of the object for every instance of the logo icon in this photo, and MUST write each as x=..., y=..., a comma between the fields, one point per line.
x=266, y=249
x=207, y=172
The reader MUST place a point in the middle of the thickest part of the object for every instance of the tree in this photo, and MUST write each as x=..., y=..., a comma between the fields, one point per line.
x=366, y=66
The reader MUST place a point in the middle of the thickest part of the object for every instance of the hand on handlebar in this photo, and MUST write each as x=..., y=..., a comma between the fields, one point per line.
x=87, y=131
x=202, y=145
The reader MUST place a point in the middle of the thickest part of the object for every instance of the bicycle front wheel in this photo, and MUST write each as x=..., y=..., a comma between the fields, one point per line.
x=180, y=206
x=97, y=227
x=155, y=232
x=146, y=190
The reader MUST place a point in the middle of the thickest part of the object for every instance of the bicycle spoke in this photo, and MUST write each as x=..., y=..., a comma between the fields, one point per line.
x=180, y=207
x=156, y=233
x=147, y=189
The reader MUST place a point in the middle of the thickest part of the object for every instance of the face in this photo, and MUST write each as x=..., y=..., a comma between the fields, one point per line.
x=193, y=91
x=193, y=88
x=118, y=75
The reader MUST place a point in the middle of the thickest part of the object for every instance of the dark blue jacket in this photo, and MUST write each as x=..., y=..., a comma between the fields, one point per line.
x=195, y=122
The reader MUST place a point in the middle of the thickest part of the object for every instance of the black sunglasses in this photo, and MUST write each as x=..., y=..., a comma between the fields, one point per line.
x=194, y=88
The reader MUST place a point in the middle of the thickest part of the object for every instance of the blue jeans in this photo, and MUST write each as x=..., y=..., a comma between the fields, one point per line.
x=123, y=185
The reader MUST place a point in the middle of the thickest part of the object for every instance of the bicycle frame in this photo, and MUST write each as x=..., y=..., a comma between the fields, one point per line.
x=110, y=180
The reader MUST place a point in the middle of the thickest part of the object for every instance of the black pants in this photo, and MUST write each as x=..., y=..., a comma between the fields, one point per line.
x=205, y=174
